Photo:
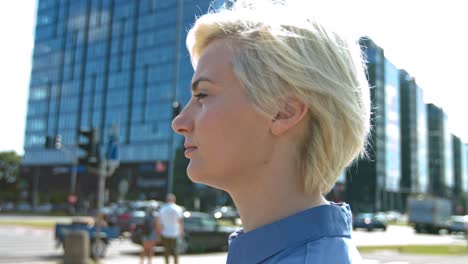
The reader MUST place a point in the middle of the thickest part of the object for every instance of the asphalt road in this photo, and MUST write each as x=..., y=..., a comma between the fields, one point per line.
x=37, y=246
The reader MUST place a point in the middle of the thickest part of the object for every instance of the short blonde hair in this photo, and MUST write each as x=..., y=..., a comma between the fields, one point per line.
x=285, y=56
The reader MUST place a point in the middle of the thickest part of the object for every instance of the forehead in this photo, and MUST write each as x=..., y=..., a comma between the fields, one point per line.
x=215, y=60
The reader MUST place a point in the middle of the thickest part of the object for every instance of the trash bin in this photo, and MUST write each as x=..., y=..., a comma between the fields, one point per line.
x=76, y=247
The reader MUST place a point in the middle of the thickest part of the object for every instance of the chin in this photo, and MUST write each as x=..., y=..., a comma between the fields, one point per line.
x=197, y=176
x=194, y=174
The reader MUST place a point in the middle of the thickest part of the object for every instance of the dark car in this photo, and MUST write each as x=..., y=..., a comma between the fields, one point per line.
x=128, y=216
x=202, y=233
x=226, y=213
x=368, y=221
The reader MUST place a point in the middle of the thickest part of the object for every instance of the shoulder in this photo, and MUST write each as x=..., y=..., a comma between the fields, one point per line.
x=321, y=251
x=163, y=208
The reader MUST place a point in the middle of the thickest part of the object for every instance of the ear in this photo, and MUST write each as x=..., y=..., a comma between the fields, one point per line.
x=291, y=115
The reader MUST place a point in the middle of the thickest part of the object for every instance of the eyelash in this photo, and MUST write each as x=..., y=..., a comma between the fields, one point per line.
x=200, y=96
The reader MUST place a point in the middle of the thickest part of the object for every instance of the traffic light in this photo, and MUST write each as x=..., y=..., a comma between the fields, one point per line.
x=90, y=146
x=53, y=142
x=48, y=142
x=175, y=109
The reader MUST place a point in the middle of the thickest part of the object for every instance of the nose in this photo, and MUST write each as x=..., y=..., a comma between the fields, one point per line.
x=182, y=123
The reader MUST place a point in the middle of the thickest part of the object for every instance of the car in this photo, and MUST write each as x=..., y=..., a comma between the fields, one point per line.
x=368, y=221
x=393, y=216
x=201, y=233
x=8, y=207
x=458, y=224
x=226, y=213
x=43, y=208
x=136, y=213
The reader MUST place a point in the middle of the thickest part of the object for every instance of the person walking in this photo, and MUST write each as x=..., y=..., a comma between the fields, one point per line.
x=171, y=227
x=280, y=107
x=149, y=235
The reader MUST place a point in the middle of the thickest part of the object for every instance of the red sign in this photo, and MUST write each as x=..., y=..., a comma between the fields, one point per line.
x=72, y=198
x=160, y=167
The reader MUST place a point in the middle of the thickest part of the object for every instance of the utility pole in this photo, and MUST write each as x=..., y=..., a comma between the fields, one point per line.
x=98, y=243
x=73, y=174
x=175, y=104
x=104, y=167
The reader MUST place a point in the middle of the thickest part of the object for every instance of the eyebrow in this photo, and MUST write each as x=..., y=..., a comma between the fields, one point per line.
x=197, y=81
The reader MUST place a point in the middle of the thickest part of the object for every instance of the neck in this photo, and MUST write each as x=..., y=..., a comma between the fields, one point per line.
x=273, y=194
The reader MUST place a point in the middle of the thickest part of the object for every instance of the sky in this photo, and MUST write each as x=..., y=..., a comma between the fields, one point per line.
x=427, y=38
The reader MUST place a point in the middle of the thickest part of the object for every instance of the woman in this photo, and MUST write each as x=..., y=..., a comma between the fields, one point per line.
x=149, y=237
x=280, y=107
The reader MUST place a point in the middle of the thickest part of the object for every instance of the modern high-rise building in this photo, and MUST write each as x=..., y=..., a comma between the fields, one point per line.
x=414, y=147
x=373, y=184
x=116, y=66
x=459, y=173
x=440, y=153
x=465, y=171
x=458, y=166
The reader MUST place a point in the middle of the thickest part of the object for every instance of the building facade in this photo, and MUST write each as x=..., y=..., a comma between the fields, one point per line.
x=116, y=66
x=373, y=184
x=413, y=130
x=440, y=153
x=459, y=176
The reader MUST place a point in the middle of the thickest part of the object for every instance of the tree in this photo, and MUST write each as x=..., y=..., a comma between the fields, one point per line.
x=10, y=163
x=9, y=166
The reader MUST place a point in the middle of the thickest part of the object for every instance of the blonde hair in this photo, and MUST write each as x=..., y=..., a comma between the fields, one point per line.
x=281, y=57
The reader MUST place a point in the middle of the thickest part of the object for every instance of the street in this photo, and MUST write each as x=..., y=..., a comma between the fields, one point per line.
x=37, y=246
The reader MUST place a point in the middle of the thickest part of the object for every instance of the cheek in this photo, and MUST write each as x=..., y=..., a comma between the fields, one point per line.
x=231, y=133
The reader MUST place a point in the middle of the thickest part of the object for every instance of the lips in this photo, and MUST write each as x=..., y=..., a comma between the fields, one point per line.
x=189, y=149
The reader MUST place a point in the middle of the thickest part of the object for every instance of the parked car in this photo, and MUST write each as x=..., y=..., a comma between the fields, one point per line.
x=368, y=221
x=8, y=207
x=226, y=213
x=202, y=233
x=135, y=215
x=23, y=207
x=393, y=216
x=43, y=208
x=117, y=215
x=458, y=224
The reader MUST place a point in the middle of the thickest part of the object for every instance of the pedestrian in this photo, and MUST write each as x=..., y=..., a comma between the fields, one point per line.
x=171, y=227
x=280, y=106
x=148, y=235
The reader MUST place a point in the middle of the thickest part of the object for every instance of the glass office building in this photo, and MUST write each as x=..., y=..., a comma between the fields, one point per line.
x=373, y=184
x=465, y=171
x=440, y=153
x=114, y=65
x=458, y=155
x=414, y=148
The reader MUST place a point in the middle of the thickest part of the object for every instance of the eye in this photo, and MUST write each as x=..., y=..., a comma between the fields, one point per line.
x=200, y=96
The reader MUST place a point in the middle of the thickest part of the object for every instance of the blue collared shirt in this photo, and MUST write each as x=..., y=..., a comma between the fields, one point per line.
x=317, y=235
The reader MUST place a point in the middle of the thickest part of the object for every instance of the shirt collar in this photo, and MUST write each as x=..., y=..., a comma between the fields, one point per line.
x=261, y=243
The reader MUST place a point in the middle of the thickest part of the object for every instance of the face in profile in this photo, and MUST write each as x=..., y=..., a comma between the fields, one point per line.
x=226, y=139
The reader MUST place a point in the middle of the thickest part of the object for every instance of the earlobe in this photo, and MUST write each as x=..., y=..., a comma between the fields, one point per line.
x=292, y=114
